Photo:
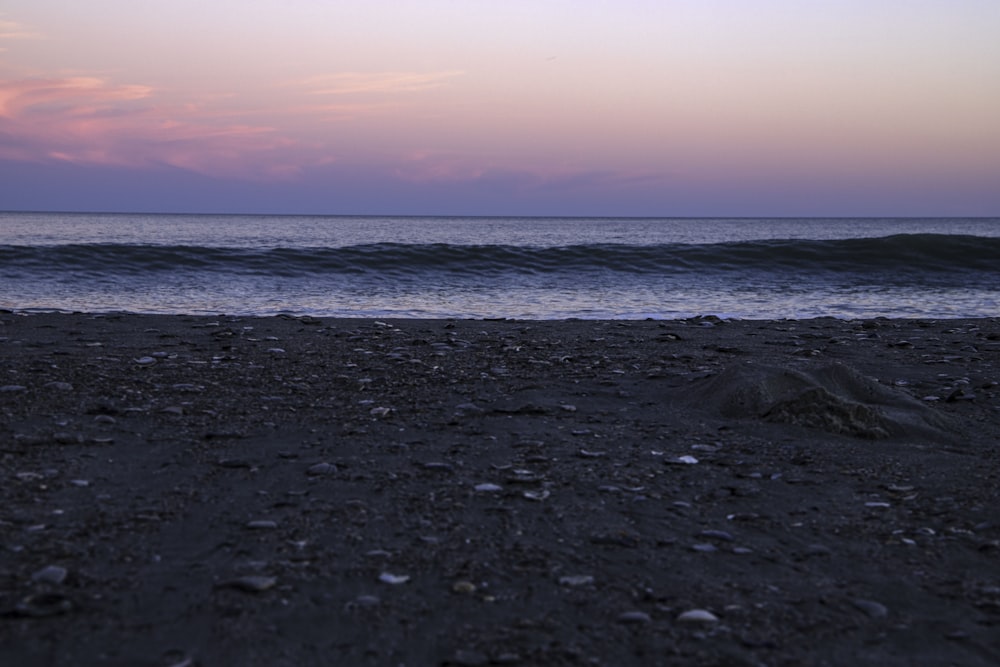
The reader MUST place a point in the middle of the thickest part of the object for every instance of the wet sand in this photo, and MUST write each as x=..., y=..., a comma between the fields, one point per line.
x=181, y=490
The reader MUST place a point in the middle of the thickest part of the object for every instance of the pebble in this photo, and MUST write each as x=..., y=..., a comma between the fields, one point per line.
x=684, y=460
x=60, y=386
x=817, y=550
x=10, y=388
x=576, y=580
x=634, y=617
x=704, y=548
x=697, y=616
x=394, y=579
x=465, y=587
x=872, y=608
x=323, y=468
x=262, y=525
x=488, y=488
x=145, y=361
x=250, y=583
x=537, y=495
x=51, y=574
x=587, y=454
x=367, y=601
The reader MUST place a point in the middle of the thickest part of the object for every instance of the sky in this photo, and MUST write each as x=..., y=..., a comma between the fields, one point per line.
x=508, y=107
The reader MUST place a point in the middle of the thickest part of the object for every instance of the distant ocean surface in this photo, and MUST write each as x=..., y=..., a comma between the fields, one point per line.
x=533, y=268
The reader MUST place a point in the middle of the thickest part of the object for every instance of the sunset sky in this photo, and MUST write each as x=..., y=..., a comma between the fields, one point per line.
x=513, y=107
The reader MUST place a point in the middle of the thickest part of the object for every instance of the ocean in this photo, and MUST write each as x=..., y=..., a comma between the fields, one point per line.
x=530, y=268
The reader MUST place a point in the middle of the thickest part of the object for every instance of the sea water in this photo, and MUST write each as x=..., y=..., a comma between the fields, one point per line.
x=534, y=268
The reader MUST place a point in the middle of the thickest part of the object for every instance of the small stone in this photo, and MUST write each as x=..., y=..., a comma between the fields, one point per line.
x=872, y=608
x=634, y=617
x=488, y=488
x=464, y=587
x=51, y=574
x=104, y=419
x=587, y=454
x=11, y=388
x=59, y=386
x=275, y=350
x=698, y=616
x=82, y=483
x=576, y=580
x=321, y=469
x=145, y=361
x=367, y=601
x=537, y=495
x=393, y=579
x=704, y=548
x=439, y=466
x=684, y=460
x=262, y=525
x=250, y=583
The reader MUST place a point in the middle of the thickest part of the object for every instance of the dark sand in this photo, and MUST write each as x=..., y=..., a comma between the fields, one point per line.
x=229, y=491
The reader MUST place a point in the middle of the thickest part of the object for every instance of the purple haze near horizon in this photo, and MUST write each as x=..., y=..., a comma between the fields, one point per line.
x=592, y=108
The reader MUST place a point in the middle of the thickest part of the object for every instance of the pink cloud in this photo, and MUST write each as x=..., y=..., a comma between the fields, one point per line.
x=88, y=120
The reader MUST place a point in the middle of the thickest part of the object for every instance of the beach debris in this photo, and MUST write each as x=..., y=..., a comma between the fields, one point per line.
x=634, y=617
x=251, y=583
x=697, y=616
x=393, y=579
x=834, y=398
x=576, y=580
x=50, y=574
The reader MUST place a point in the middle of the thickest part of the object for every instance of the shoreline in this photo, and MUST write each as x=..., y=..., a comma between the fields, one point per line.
x=188, y=489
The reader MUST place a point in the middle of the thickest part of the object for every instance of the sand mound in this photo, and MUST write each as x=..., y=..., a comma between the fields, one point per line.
x=833, y=398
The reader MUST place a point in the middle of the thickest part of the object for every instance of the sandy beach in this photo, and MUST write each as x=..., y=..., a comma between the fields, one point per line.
x=186, y=490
